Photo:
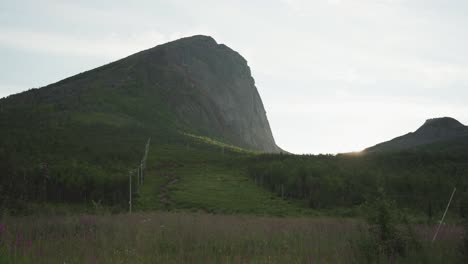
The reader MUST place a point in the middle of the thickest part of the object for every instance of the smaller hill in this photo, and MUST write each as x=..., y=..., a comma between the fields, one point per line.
x=434, y=131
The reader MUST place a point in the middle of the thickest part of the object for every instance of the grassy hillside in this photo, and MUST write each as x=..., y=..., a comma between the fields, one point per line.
x=213, y=179
x=89, y=158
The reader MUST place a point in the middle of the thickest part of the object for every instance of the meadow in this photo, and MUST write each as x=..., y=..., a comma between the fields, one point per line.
x=163, y=237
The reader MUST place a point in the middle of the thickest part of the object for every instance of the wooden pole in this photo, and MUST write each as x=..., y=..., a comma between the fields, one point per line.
x=443, y=217
x=130, y=192
x=138, y=177
x=142, y=172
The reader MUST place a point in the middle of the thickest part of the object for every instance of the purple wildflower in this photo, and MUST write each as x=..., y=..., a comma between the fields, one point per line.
x=28, y=243
x=2, y=230
x=19, y=240
x=39, y=251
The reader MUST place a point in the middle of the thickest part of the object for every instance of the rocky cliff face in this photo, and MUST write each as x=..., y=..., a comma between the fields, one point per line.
x=215, y=92
x=432, y=131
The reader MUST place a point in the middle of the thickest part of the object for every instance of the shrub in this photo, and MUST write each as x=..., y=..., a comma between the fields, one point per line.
x=386, y=239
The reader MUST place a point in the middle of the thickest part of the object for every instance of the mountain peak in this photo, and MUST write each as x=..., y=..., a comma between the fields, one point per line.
x=200, y=38
x=432, y=131
x=194, y=40
x=440, y=123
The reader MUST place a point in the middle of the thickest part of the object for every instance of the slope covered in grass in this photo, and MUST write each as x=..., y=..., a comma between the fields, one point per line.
x=212, y=180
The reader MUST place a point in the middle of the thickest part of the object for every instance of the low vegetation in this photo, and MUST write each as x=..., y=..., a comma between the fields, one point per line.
x=203, y=238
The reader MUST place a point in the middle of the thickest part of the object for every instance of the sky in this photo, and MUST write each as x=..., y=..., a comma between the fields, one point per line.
x=334, y=75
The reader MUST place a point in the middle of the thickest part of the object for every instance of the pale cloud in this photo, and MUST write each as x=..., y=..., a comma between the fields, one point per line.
x=363, y=8
x=7, y=89
x=111, y=46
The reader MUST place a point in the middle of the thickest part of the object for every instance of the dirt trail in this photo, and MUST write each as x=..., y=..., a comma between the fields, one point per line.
x=164, y=196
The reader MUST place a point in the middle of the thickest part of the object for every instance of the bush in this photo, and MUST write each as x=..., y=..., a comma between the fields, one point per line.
x=386, y=240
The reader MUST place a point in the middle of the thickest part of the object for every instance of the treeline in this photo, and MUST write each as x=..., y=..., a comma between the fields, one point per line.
x=46, y=161
x=420, y=181
x=72, y=184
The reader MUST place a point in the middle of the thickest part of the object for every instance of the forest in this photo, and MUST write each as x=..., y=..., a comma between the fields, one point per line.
x=420, y=181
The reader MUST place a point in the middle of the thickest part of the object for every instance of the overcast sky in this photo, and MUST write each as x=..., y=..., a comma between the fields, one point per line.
x=334, y=75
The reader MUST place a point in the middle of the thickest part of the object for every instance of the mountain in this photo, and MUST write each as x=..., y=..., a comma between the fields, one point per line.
x=192, y=85
x=76, y=140
x=437, y=132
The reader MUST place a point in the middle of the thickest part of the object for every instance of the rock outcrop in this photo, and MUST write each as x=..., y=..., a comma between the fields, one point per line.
x=215, y=92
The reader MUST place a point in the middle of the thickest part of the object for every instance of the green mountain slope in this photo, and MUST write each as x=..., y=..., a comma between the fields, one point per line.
x=207, y=178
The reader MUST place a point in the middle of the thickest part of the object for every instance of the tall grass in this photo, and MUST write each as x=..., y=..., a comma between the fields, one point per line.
x=190, y=238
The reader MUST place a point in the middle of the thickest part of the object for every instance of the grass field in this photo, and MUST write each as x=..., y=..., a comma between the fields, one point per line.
x=188, y=179
x=212, y=188
x=200, y=238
